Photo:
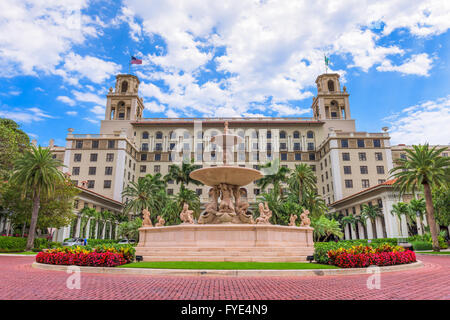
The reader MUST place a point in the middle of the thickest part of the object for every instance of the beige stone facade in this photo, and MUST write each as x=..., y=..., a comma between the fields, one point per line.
x=128, y=146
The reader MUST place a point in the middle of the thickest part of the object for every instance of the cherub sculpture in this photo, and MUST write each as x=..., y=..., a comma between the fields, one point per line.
x=160, y=222
x=292, y=220
x=305, y=220
x=146, y=222
x=264, y=214
x=186, y=214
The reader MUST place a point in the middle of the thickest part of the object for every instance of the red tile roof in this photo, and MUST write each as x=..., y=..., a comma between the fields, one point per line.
x=386, y=183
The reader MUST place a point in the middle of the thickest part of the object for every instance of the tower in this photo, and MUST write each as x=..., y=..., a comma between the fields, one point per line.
x=124, y=102
x=331, y=102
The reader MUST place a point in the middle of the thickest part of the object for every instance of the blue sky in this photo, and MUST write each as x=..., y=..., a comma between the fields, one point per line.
x=234, y=58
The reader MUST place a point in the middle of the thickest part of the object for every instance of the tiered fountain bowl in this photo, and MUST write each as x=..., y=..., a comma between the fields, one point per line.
x=226, y=229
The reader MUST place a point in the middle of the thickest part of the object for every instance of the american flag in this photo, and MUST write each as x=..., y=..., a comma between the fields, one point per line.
x=134, y=60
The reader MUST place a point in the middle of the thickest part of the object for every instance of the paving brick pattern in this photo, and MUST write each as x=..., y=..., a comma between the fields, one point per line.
x=19, y=281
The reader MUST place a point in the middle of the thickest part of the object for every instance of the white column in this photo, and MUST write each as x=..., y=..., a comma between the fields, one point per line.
x=115, y=231
x=404, y=226
x=103, y=230
x=88, y=226
x=369, y=229
x=361, y=231
x=78, y=227
x=346, y=233
x=419, y=226
x=379, y=228
x=120, y=169
x=391, y=222
x=96, y=230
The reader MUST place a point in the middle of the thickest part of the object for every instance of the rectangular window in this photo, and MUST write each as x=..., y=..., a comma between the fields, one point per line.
x=94, y=157
x=334, y=114
x=345, y=156
x=92, y=171
x=380, y=169
x=109, y=157
x=313, y=167
x=376, y=143
x=172, y=146
x=310, y=145
x=298, y=157
x=325, y=163
x=363, y=169
x=326, y=175
x=111, y=144
x=158, y=147
x=344, y=143
x=349, y=184
x=256, y=191
x=143, y=157
x=283, y=156
x=361, y=143
x=157, y=169
x=91, y=184
x=107, y=184
x=255, y=156
x=170, y=192
x=78, y=144
x=94, y=144
x=283, y=146
x=199, y=191
x=365, y=183
x=75, y=171
x=77, y=157
x=143, y=169
x=312, y=156
x=108, y=171
x=158, y=157
x=378, y=156
x=362, y=156
x=347, y=170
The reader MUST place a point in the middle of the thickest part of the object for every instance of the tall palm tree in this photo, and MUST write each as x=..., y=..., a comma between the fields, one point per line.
x=418, y=207
x=423, y=167
x=314, y=203
x=272, y=177
x=371, y=213
x=182, y=174
x=324, y=228
x=87, y=214
x=37, y=172
x=143, y=193
x=401, y=209
x=302, y=178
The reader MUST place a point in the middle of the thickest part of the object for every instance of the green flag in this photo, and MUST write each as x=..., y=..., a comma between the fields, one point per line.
x=326, y=60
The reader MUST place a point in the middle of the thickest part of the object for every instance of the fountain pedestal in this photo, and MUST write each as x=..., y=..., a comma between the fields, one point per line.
x=225, y=242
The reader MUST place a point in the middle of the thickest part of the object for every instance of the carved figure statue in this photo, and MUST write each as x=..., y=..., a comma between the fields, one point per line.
x=160, y=222
x=186, y=214
x=146, y=222
x=292, y=220
x=264, y=214
x=226, y=203
x=305, y=220
x=209, y=215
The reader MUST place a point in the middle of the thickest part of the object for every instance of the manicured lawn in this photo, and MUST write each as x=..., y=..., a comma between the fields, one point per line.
x=228, y=265
x=431, y=252
x=23, y=252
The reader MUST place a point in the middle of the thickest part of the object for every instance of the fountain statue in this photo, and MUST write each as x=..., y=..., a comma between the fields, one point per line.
x=146, y=222
x=226, y=230
x=226, y=182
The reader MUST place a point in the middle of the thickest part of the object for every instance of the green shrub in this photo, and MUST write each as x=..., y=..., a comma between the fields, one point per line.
x=40, y=243
x=421, y=245
x=96, y=242
x=427, y=238
x=12, y=244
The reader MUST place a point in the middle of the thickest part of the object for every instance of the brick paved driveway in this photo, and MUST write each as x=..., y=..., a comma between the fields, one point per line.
x=19, y=281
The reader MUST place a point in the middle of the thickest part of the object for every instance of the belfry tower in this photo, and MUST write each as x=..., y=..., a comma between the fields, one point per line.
x=331, y=103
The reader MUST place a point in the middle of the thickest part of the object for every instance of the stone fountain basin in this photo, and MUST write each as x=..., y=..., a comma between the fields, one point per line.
x=238, y=176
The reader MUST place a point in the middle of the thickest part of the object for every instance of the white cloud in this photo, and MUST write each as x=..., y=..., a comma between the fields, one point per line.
x=91, y=120
x=77, y=67
x=99, y=112
x=285, y=110
x=72, y=113
x=272, y=50
x=89, y=97
x=426, y=122
x=66, y=100
x=154, y=107
x=418, y=64
x=28, y=116
x=34, y=35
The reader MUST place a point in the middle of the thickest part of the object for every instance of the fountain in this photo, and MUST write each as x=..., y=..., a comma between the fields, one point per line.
x=226, y=229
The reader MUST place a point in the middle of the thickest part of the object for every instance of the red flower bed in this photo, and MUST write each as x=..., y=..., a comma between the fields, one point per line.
x=92, y=259
x=361, y=256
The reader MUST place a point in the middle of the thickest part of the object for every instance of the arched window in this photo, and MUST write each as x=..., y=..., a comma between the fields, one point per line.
x=310, y=135
x=159, y=135
x=241, y=134
x=145, y=135
x=334, y=103
x=282, y=134
x=330, y=85
x=186, y=135
x=124, y=87
x=296, y=134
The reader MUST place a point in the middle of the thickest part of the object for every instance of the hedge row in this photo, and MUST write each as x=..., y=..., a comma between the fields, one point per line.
x=18, y=244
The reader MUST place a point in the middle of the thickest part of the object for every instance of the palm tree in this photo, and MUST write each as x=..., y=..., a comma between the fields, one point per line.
x=182, y=174
x=418, y=208
x=301, y=179
x=371, y=212
x=38, y=173
x=87, y=214
x=401, y=209
x=423, y=167
x=272, y=177
x=314, y=203
x=190, y=197
x=352, y=221
x=142, y=194
x=324, y=228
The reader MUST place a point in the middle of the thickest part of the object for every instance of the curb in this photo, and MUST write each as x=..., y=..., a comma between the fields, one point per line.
x=433, y=254
x=233, y=273
x=17, y=255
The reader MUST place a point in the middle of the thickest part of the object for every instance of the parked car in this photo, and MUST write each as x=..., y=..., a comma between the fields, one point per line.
x=127, y=241
x=73, y=242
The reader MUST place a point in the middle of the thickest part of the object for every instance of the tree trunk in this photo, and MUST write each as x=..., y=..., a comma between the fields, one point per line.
x=33, y=223
x=430, y=216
